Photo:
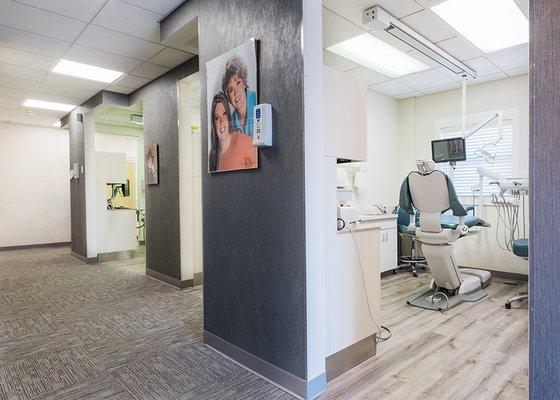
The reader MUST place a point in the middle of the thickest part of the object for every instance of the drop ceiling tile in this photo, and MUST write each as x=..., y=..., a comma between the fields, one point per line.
x=425, y=79
x=53, y=78
x=488, y=78
x=409, y=95
x=162, y=7
x=120, y=89
x=21, y=72
x=482, y=66
x=517, y=71
x=337, y=62
x=393, y=41
x=100, y=58
x=35, y=118
x=391, y=88
x=83, y=10
x=460, y=48
x=5, y=115
x=511, y=58
x=131, y=81
x=524, y=6
x=13, y=94
x=76, y=95
x=118, y=43
x=352, y=10
x=8, y=105
x=171, y=57
x=150, y=71
x=367, y=76
x=16, y=83
x=26, y=59
x=429, y=3
x=442, y=88
x=126, y=18
x=429, y=25
x=336, y=29
x=31, y=19
x=31, y=42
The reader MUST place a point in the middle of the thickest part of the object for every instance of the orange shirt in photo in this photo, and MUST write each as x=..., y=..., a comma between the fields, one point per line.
x=241, y=153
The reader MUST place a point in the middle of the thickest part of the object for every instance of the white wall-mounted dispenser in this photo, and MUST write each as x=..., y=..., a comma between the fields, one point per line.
x=262, y=125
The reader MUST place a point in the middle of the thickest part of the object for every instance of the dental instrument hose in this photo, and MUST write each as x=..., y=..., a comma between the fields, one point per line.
x=380, y=328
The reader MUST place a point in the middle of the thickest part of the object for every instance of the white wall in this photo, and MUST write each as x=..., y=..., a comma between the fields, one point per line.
x=34, y=185
x=418, y=116
x=383, y=179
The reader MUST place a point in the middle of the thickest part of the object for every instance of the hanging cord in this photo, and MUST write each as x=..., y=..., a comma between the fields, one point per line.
x=380, y=328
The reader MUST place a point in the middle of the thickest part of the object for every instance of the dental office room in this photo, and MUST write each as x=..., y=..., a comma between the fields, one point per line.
x=429, y=188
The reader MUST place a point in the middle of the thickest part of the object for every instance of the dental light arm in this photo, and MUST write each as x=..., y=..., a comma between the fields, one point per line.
x=488, y=151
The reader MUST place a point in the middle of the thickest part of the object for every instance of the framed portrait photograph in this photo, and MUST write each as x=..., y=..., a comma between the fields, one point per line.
x=231, y=97
x=151, y=159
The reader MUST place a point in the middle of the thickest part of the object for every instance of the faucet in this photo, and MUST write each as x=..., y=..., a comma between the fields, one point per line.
x=381, y=208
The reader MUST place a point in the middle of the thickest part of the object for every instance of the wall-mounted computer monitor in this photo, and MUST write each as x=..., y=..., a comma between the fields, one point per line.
x=449, y=150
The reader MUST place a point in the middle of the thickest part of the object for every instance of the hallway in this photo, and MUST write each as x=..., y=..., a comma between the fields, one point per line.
x=75, y=331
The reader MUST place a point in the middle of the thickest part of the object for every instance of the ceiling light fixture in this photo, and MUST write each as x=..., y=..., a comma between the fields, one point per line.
x=86, y=71
x=374, y=53
x=489, y=25
x=48, y=105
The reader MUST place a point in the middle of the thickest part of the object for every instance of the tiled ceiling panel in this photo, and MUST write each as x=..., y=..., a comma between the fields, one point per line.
x=100, y=58
x=20, y=72
x=170, y=57
x=31, y=42
x=34, y=20
x=83, y=10
x=162, y=7
x=138, y=22
x=23, y=59
x=118, y=43
x=150, y=71
x=342, y=19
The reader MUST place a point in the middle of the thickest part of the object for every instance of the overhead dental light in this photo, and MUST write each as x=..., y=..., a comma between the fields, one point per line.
x=376, y=18
x=489, y=25
x=375, y=54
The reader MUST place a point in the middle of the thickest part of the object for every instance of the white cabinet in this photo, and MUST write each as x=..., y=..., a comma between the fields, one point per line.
x=388, y=238
x=345, y=116
x=389, y=243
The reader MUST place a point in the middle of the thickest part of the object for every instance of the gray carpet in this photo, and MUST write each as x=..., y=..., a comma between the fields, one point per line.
x=75, y=331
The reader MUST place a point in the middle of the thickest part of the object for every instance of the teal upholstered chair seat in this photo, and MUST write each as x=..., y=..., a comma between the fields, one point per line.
x=521, y=247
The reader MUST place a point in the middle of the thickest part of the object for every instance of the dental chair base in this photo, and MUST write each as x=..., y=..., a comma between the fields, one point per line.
x=451, y=285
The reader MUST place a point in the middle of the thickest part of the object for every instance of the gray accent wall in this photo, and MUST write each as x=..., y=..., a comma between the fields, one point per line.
x=254, y=221
x=161, y=115
x=544, y=156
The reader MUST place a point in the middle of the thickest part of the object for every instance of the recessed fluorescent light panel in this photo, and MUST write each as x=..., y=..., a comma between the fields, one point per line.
x=86, y=71
x=488, y=24
x=48, y=105
x=374, y=53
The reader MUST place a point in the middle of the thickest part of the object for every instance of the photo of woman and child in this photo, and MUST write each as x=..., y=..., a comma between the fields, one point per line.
x=232, y=95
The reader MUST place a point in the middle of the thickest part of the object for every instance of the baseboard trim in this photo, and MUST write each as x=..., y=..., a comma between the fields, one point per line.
x=169, y=279
x=34, y=246
x=511, y=276
x=198, y=278
x=347, y=358
x=91, y=260
x=115, y=256
x=277, y=376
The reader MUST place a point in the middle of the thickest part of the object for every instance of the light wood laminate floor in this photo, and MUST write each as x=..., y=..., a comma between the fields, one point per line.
x=475, y=351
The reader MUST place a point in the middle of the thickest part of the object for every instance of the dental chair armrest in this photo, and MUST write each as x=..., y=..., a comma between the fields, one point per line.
x=462, y=229
x=469, y=207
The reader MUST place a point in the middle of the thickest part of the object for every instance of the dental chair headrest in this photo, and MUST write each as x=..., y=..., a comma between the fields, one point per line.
x=425, y=166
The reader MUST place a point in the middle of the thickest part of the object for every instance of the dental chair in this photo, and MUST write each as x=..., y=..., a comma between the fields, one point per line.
x=432, y=193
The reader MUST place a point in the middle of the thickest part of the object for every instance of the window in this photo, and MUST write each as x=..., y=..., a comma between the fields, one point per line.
x=465, y=174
